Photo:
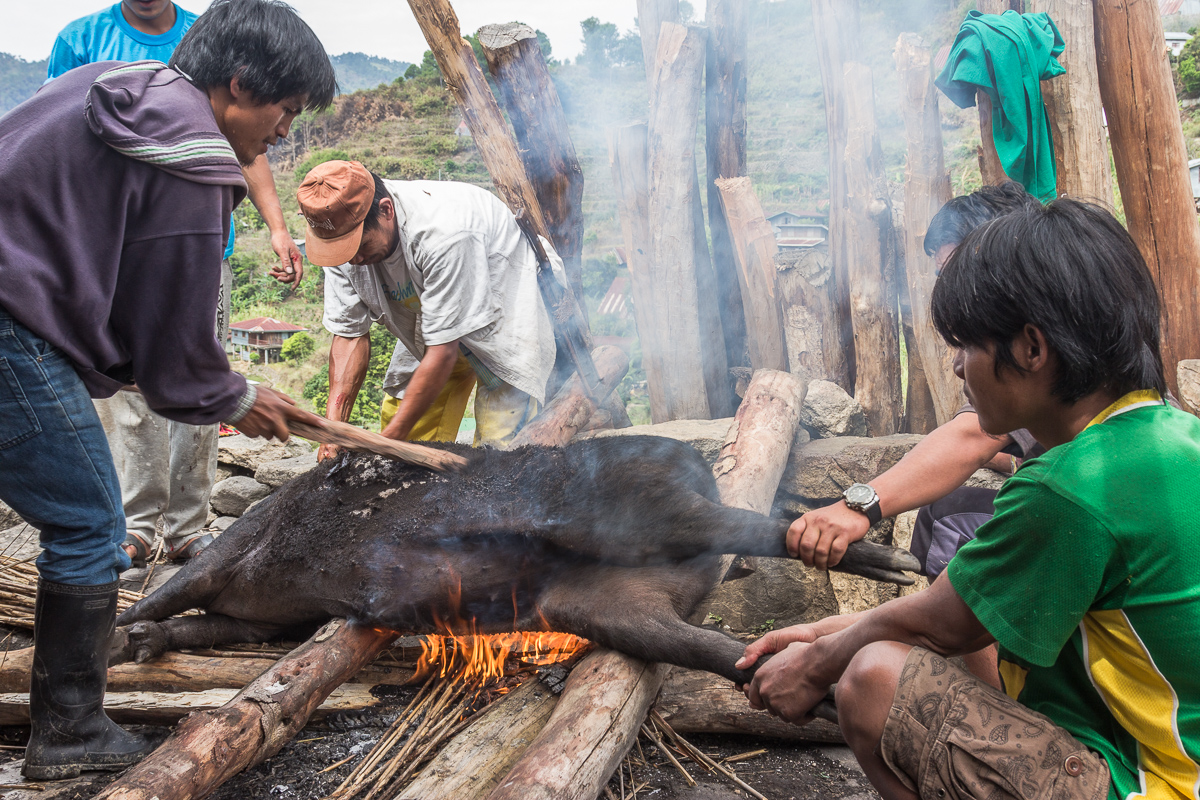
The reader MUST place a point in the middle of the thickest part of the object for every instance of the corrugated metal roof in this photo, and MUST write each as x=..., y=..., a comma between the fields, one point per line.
x=263, y=325
x=798, y=242
x=1168, y=7
x=615, y=299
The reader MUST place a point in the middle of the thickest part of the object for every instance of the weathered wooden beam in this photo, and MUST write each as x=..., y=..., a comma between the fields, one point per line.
x=572, y=407
x=671, y=158
x=631, y=179
x=1073, y=106
x=990, y=169
x=836, y=26
x=725, y=142
x=867, y=226
x=810, y=317
x=700, y=702
x=755, y=251
x=167, y=708
x=465, y=80
x=209, y=747
x=926, y=190
x=516, y=63
x=1152, y=165
x=608, y=694
x=475, y=761
x=651, y=14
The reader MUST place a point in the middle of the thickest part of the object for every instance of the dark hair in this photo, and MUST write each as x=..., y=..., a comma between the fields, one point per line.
x=371, y=222
x=965, y=213
x=1072, y=271
x=263, y=43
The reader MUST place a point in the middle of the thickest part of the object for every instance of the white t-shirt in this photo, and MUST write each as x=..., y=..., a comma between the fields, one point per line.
x=461, y=272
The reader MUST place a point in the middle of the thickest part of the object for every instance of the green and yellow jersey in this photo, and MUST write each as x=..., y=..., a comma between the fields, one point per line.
x=1089, y=579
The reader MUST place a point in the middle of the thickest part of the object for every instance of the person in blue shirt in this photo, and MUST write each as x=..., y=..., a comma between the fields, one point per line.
x=165, y=467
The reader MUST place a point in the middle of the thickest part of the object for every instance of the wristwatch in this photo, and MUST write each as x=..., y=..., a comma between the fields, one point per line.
x=862, y=498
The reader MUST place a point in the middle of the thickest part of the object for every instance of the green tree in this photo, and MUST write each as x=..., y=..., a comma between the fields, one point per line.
x=298, y=347
x=317, y=157
x=1188, y=67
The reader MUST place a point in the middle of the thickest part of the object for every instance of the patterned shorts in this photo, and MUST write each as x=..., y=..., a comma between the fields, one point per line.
x=949, y=735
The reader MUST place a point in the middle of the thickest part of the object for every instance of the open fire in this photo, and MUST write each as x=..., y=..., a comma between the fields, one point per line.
x=476, y=658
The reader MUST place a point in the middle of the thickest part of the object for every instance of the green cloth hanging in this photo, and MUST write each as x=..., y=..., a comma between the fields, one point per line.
x=1007, y=56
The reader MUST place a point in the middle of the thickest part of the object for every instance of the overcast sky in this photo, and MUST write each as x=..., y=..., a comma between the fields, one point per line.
x=376, y=27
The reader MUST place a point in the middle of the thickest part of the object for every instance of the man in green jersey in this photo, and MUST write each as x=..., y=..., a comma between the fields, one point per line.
x=1088, y=576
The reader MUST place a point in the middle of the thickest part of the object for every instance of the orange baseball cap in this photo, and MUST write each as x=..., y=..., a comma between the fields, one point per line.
x=334, y=199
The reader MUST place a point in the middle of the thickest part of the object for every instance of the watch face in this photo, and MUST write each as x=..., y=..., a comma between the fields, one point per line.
x=860, y=494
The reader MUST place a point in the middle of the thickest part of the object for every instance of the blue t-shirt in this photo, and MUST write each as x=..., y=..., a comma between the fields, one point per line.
x=107, y=36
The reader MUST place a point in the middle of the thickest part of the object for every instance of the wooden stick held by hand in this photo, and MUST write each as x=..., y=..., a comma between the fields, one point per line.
x=341, y=434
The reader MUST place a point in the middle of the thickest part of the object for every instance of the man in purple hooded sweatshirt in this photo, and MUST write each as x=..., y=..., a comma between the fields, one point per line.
x=114, y=173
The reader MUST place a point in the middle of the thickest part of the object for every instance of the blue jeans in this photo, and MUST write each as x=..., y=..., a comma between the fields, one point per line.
x=55, y=467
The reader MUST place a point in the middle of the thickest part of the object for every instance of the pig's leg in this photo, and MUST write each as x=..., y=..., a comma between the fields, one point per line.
x=638, y=611
x=144, y=641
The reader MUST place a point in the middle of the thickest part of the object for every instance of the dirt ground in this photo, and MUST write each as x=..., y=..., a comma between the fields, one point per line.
x=783, y=771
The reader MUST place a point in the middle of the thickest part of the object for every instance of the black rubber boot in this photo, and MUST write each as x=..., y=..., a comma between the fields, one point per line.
x=70, y=731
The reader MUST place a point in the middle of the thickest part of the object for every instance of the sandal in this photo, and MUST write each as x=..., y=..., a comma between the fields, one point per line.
x=190, y=548
x=142, y=548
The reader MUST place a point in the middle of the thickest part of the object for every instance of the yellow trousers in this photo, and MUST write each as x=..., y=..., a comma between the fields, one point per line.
x=499, y=413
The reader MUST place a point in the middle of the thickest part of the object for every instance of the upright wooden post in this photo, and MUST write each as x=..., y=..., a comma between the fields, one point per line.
x=867, y=227
x=651, y=14
x=516, y=62
x=466, y=82
x=926, y=190
x=628, y=160
x=989, y=160
x=1073, y=106
x=836, y=27
x=1152, y=164
x=754, y=248
x=725, y=142
x=671, y=153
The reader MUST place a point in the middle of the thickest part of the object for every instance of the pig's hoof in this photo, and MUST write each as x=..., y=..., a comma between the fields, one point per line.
x=145, y=642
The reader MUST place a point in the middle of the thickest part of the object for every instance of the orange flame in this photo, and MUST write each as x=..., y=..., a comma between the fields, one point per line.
x=473, y=657
x=459, y=652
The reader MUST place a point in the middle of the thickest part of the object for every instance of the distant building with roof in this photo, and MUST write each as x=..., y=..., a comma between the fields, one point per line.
x=616, y=299
x=799, y=229
x=1176, y=40
x=262, y=335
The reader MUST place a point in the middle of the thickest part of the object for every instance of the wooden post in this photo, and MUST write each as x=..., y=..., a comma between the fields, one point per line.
x=1074, y=108
x=209, y=747
x=466, y=82
x=627, y=157
x=608, y=694
x=1152, y=165
x=810, y=318
x=867, y=227
x=919, y=414
x=754, y=248
x=836, y=27
x=651, y=14
x=926, y=190
x=471, y=766
x=671, y=154
x=517, y=65
x=725, y=142
x=718, y=383
x=572, y=407
x=989, y=161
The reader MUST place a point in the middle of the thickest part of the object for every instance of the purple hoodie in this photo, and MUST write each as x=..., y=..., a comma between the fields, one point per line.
x=114, y=212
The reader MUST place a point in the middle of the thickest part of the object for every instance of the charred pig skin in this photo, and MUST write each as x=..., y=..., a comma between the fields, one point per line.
x=613, y=539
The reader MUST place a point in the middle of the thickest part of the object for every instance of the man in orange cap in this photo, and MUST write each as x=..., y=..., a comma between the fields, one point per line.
x=444, y=267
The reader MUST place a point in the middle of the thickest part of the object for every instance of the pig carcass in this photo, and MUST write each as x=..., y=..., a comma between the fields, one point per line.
x=613, y=539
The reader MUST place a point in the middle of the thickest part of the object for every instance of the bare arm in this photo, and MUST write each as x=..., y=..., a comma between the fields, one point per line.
x=938, y=465
x=426, y=383
x=797, y=678
x=348, y=359
x=261, y=185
